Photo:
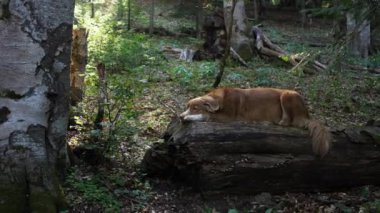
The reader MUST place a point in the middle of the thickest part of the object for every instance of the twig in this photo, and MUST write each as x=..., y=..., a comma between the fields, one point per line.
x=240, y=59
x=173, y=110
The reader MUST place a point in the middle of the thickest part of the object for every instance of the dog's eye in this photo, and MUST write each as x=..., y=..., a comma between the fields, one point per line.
x=196, y=108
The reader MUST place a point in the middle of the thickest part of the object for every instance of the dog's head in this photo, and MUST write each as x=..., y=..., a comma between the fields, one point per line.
x=199, y=109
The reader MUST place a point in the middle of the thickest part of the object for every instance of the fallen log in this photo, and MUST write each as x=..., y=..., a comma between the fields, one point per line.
x=246, y=158
x=264, y=46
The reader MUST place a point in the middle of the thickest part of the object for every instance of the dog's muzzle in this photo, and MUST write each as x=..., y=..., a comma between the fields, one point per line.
x=186, y=116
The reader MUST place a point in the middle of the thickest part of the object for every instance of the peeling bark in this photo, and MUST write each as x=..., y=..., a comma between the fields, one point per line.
x=34, y=96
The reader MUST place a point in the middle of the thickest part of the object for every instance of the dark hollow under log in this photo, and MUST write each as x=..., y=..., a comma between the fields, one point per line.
x=246, y=158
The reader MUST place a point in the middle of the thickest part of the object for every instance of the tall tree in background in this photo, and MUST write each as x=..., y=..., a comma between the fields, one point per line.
x=358, y=33
x=229, y=9
x=256, y=9
x=240, y=42
x=198, y=17
x=92, y=8
x=237, y=34
x=129, y=14
x=151, y=24
x=35, y=48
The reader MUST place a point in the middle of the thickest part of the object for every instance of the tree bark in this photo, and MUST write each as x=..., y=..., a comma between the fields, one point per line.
x=35, y=49
x=78, y=64
x=151, y=22
x=358, y=35
x=239, y=33
x=246, y=158
x=129, y=14
x=229, y=25
x=101, y=68
x=256, y=10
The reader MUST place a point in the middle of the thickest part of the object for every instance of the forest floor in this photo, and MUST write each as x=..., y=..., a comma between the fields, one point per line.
x=169, y=197
x=339, y=98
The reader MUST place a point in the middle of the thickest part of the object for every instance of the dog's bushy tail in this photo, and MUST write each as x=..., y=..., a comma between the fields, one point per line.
x=321, y=137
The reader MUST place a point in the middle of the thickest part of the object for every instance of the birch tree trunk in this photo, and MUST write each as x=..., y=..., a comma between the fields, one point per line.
x=239, y=39
x=35, y=48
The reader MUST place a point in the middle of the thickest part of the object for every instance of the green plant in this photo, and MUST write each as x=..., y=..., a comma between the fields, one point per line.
x=263, y=76
x=107, y=188
x=233, y=211
x=373, y=206
x=93, y=191
x=193, y=76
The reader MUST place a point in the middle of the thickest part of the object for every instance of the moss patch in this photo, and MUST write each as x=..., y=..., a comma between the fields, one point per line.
x=41, y=201
x=13, y=198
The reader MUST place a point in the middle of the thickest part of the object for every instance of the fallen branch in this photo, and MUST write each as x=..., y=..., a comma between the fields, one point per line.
x=238, y=57
x=182, y=54
x=361, y=68
x=265, y=47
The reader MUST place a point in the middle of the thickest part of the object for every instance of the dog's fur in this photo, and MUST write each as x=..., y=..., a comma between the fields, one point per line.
x=278, y=106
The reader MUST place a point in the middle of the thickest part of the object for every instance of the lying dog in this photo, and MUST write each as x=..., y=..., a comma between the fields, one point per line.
x=279, y=106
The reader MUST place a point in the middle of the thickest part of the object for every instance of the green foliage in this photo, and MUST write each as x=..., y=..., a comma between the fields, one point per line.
x=125, y=55
x=374, y=60
x=121, y=91
x=93, y=191
x=193, y=76
x=107, y=188
x=275, y=34
x=332, y=93
x=275, y=2
x=233, y=211
x=120, y=52
x=263, y=76
x=373, y=206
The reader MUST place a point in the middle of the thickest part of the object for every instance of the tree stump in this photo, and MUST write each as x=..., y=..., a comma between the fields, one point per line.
x=246, y=158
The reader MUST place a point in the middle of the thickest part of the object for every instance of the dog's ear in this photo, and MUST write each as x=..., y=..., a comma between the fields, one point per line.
x=212, y=105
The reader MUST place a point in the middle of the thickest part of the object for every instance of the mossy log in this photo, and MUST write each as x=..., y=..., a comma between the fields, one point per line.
x=245, y=158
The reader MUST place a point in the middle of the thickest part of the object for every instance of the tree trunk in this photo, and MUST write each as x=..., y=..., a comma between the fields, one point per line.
x=247, y=158
x=198, y=24
x=35, y=50
x=101, y=68
x=78, y=64
x=256, y=10
x=239, y=35
x=151, y=23
x=359, y=36
x=303, y=13
x=129, y=14
x=92, y=8
x=222, y=62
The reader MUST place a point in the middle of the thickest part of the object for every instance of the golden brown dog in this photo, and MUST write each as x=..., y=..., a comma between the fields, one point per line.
x=279, y=106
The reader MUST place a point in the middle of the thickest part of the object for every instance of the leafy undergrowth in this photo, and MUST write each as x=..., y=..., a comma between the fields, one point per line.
x=150, y=89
